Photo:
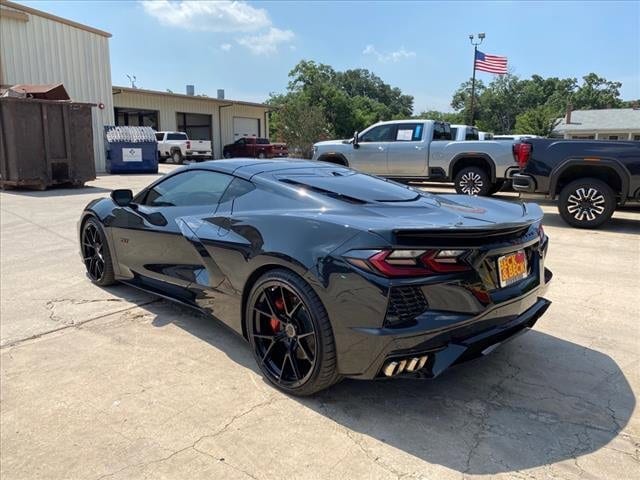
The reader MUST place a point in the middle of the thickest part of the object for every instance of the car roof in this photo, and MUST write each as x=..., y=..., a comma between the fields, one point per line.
x=248, y=167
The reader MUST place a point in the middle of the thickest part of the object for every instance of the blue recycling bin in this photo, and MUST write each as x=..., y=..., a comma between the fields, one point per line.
x=131, y=149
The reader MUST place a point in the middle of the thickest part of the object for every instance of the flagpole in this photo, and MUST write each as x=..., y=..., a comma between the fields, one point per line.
x=473, y=78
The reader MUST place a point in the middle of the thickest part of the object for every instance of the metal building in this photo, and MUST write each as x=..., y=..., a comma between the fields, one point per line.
x=39, y=48
x=220, y=120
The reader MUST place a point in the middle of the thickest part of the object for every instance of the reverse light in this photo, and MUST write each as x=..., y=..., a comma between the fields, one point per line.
x=411, y=263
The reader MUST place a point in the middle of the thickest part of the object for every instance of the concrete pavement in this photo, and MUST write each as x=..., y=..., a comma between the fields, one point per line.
x=113, y=383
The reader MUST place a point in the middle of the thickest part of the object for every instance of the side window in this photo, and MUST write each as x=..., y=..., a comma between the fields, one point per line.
x=237, y=188
x=242, y=141
x=409, y=132
x=441, y=131
x=472, y=134
x=382, y=133
x=196, y=187
x=454, y=133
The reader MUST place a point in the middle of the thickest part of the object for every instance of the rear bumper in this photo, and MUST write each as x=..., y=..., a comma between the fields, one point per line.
x=466, y=342
x=447, y=339
x=523, y=183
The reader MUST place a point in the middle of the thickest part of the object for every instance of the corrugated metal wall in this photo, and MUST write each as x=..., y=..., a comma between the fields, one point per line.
x=42, y=51
x=168, y=105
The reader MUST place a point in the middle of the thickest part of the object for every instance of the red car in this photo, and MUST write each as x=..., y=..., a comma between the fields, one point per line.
x=250, y=147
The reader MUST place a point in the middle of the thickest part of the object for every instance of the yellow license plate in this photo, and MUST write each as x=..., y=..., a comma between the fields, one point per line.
x=512, y=268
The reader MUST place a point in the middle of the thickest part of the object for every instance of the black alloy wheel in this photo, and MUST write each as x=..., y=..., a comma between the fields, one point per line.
x=96, y=255
x=290, y=334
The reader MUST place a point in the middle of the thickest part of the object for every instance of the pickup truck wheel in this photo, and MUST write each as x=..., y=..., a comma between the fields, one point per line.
x=586, y=203
x=161, y=159
x=177, y=157
x=472, y=181
x=227, y=155
x=261, y=155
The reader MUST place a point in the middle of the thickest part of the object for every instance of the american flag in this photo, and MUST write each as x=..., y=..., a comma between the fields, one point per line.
x=491, y=63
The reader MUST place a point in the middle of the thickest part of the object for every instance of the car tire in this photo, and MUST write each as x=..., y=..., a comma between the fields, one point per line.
x=176, y=156
x=472, y=181
x=96, y=254
x=261, y=155
x=227, y=155
x=274, y=335
x=586, y=203
x=161, y=159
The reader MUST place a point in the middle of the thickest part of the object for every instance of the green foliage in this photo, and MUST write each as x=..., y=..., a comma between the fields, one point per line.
x=537, y=121
x=349, y=100
x=298, y=123
x=499, y=105
x=450, y=117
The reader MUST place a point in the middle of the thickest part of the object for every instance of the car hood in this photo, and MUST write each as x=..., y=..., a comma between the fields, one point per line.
x=329, y=143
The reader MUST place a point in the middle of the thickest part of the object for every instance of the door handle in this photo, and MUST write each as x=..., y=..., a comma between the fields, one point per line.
x=381, y=148
x=417, y=147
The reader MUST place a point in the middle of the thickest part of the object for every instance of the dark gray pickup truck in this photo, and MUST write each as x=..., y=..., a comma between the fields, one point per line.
x=589, y=177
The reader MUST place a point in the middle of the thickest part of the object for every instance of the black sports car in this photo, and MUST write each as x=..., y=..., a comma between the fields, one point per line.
x=327, y=272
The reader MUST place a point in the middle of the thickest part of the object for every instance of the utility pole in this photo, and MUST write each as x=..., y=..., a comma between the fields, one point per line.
x=473, y=78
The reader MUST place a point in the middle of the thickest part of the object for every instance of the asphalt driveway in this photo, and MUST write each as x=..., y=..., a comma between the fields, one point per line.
x=113, y=383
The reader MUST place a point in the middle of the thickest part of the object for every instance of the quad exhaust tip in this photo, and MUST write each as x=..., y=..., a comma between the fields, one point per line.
x=411, y=364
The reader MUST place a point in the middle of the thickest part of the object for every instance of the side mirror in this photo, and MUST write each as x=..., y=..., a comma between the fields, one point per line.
x=356, y=143
x=122, y=197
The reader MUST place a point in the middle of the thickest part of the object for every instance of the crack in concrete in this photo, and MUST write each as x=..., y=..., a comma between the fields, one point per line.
x=52, y=304
x=194, y=445
x=74, y=325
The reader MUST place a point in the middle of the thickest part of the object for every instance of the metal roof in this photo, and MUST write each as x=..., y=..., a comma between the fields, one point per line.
x=611, y=119
x=117, y=89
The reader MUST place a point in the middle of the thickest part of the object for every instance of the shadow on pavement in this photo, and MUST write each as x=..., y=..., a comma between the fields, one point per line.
x=535, y=401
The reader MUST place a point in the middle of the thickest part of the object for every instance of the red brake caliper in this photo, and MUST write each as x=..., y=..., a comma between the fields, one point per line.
x=274, y=323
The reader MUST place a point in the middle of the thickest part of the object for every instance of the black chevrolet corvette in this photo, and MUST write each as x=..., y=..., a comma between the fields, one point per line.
x=327, y=272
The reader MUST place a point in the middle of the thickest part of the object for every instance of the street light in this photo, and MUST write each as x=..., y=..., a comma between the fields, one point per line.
x=473, y=79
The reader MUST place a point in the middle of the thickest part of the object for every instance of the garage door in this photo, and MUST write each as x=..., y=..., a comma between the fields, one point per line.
x=196, y=125
x=245, y=127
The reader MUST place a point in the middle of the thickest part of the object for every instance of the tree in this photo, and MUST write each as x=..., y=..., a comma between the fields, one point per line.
x=597, y=92
x=537, y=121
x=461, y=100
x=349, y=100
x=298, y=123
x=449, y=117
x=507, y=98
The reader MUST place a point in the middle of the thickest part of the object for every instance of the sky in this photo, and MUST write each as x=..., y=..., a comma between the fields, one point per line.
x=248, y=48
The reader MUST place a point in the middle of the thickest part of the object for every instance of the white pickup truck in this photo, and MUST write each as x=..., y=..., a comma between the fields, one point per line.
x=424, y=150
x=178, y=147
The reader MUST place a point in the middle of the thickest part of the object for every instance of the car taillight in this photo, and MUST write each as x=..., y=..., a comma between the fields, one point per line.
x=412, y=263
x=522, y=152
x=188, y=144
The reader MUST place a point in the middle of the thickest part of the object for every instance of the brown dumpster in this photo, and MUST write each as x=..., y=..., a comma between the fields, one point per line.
x=45, y=142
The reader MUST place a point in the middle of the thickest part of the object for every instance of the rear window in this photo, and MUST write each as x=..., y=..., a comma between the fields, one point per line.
x=472, y=134
x=442, y=131
x=349, y=186
x=262, y=141
x=177, y=136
